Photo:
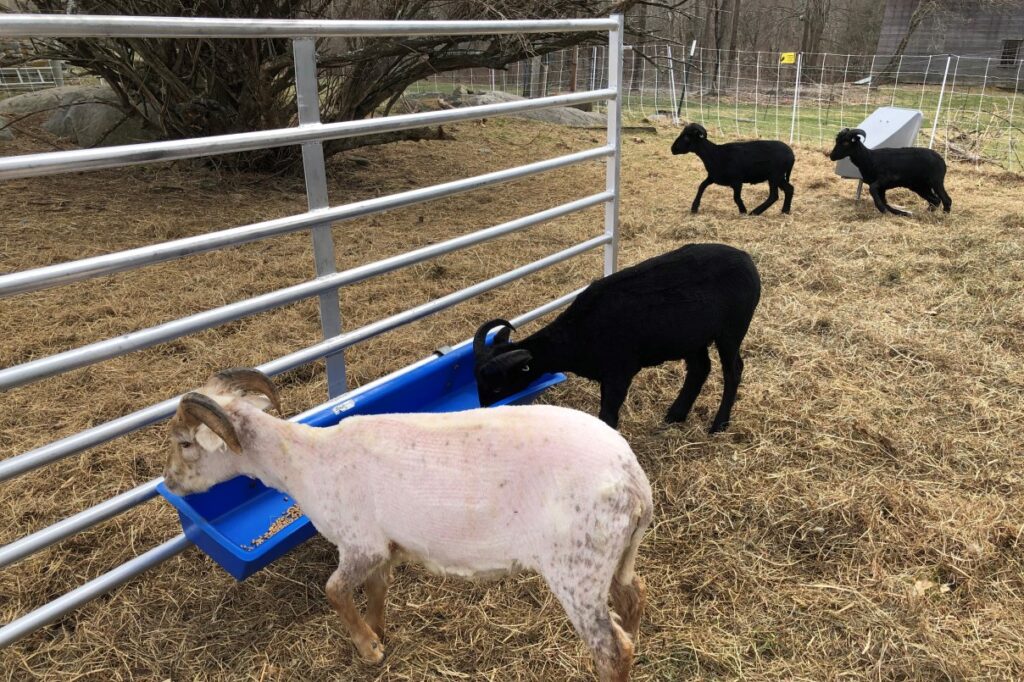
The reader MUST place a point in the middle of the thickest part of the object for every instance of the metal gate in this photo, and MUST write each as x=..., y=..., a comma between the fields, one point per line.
x=310, y=134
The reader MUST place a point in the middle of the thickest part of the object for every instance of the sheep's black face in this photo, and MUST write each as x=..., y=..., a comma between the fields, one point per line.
x=846, y=140
x=506, y=371
x=691, y=135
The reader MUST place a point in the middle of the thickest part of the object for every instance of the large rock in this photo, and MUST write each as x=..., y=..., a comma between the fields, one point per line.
x=88, y=115
x=5, y=132
x=566, y=116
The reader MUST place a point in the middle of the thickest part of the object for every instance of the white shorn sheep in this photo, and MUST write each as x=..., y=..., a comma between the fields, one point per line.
x=478, y=494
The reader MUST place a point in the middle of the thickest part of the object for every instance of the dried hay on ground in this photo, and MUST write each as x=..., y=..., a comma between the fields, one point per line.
x=861, y=519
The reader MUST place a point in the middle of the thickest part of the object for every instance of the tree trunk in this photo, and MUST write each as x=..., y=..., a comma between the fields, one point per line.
x=924, y=9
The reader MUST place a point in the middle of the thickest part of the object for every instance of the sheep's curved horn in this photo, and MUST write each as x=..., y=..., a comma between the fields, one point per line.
x=480, y=340
x=247, y=379
x=858, y=131
x=197, y=408
x=701, y=130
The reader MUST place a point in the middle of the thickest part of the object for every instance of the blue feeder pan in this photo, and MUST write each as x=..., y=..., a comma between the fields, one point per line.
x=231, y=520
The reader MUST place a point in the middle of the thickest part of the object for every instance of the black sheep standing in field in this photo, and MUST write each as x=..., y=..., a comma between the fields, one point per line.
x=738, y=163
x=922, y=171
x=669, y=307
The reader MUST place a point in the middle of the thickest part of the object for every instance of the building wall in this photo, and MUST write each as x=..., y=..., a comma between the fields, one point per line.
x=967, y=28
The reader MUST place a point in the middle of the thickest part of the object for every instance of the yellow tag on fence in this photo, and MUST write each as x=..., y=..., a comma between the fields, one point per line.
x=787, y=58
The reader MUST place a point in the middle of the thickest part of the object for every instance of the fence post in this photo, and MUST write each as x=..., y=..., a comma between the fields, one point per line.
x=307, y=94
x=896, y=82
x=643, y=73
x=575, y=69
x=778, y=93
x=924, y=82
x=611, y=209
x=656, y=80
x=672, y=85
x=717, y=84
x=757, y=85
x=700, y=92
x=938, y=106
x=593, y=69
x=871, y=77
x=842, y=93
x=952, y=89
x=981, y=102
x=737, y=93
x=796, y=95
x=1013, y=101
x=821, y=86
x=57, y=69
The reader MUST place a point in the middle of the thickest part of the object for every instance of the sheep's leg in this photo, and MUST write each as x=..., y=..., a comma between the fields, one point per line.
x=584, y=596
x=787, y=189
x=736, y=190
x=940, y=189
x=889, y=207
x=376, y=588
x=926, y=193
x=629, y=594
x=339, y=594
x=700, y=192
x=613, y=394
x=773, y=196
x=879, y=197
x=698, y=367
x=629, y=600
x=732, y=373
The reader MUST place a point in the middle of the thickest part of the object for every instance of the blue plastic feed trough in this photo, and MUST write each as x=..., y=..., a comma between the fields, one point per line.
x=238, y=522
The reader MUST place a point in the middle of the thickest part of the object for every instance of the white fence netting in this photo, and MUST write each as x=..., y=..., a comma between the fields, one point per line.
x=969, y=103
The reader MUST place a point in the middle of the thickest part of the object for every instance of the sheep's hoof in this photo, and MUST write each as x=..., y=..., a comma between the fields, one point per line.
x=371, y=651
x=786, y=211
x=718, y=428
x=693, y=210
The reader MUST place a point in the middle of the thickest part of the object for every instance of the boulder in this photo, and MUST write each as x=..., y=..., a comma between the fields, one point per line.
x=566, y=116
x=5, y=133
x=88, y=115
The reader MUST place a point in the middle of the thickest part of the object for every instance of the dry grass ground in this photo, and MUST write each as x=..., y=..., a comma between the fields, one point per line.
x=861, y=519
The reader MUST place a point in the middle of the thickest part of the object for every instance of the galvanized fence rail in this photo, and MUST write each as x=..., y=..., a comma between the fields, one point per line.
x=318, y=220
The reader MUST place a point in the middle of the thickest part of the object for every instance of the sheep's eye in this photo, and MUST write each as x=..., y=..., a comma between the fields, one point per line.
x=185, y=445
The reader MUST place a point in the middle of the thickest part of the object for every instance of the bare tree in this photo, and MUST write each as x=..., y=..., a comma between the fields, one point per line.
x=196, y=87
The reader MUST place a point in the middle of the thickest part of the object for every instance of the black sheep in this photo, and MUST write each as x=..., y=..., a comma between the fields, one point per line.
x=922, y=171
x=669, y=307
x=737, y=163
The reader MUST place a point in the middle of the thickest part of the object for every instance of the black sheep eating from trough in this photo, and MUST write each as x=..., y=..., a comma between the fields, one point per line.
x=669, y=307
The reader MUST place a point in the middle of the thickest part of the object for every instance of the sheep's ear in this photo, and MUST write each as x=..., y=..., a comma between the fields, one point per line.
x=196, y=408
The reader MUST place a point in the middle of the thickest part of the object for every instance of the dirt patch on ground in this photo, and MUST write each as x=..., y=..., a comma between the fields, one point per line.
x=861, y=518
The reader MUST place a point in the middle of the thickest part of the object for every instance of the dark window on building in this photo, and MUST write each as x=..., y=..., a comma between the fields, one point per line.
x=1011, y=51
